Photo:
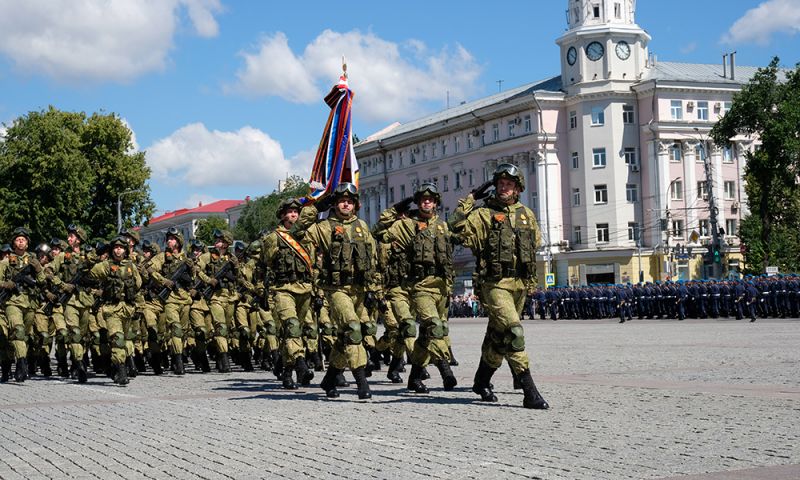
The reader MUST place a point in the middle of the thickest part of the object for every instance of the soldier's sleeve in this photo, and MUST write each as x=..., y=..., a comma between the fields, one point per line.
x=137, y=278
x=385, y=220
x=98, y=272
x=202, y=261
x=473, y=231
x=400, y=233
x=313, y=239
x=52, y=268
x=374, y=282
x=457, y=220
x=155, y=267
x=245, y=276
x=308, y=217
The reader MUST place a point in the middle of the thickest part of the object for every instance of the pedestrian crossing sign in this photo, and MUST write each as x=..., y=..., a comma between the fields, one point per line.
x=550, y=279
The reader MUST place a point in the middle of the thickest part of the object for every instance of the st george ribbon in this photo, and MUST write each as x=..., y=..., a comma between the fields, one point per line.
x=335, y=161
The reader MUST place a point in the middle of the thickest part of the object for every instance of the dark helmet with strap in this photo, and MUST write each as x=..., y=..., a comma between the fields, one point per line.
x=78, y=231
x=42, y=250
x=132, y=234
x=286, y=205
x=150, y=246
x=119, y=240
x=20, y=232
x=224, y=235
x=175, y=233
x=347, y=189
x=429, y=189
x=510, y=171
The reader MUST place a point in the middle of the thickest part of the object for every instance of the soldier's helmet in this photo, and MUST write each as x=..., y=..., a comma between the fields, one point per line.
x=347, y=189
x=177, y=235
x=197, y=244
x=6, y=248
x=56, y=242
x=152, y=247
x=78, y=231
x=132, y=234
x=510, y=171
x=254, y=250
x=239, y=246
x=223, y=235
x=429, y=189
x=42, y=250
x=286, y=205
x=101, y=247
x=20, y=232
x=119, y=240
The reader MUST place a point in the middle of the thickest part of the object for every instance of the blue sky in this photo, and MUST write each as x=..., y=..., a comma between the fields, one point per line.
x=225, y=96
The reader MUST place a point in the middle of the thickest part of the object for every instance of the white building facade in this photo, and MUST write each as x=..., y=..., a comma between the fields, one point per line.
x=615, y=150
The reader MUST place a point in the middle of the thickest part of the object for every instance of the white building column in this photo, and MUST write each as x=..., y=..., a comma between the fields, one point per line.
x=659, y=185
x=719, y=184
x=548, y=186
x=689, y=190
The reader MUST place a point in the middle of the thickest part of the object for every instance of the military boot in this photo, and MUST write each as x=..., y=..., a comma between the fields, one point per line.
x=44, y=365
x=224, y=362
x=482, y=385
x=31, y=362
x=155, y=363
x=138, y=361
x=424, y=375
x=79, y=370
x=177, y=364
x=453, y=361
x=375, y=358
x=304, y=374
x=288, y=381
x=448, y=379
x=202, y=357
x=131, y=366
x=517, y=384
x=21, y=373
x=319, y=363
x=121, y=374
x=362, y=385
x=246, y=359
x=415, y=380
x=266, y=360
x=394, y=370
x=277, y=366
x=329, y=382
x=533, y=399
x=6, y=369
x=62, y=367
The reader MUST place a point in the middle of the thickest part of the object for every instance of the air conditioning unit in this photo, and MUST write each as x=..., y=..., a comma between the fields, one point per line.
x=634, y=168
x=717, y=105
x=564, y=244
x=735, y=206
x=690, y=105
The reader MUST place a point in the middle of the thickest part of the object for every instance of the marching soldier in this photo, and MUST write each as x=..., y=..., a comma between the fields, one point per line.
x=503, y=235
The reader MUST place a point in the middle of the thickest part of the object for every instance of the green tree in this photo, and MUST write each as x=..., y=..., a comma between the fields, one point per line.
x=259, y=214
x=62, y=167
x=206, y=227
x=768, y=107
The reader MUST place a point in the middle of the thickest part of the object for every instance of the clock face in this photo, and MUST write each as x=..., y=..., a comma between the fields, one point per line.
x=623, y=50
x=595, y=51
x=572, y=55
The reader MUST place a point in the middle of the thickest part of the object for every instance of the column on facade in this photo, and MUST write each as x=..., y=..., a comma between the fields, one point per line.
x=690, y=181
x=719, y=184
x=548, y=186
x=374, y=208
x=742, y=148
x=659, y=185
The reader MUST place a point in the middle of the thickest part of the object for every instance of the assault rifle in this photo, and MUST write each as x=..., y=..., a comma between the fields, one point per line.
x=23, y=277
x=225, y=272
x=180, y=274
x=65, y=296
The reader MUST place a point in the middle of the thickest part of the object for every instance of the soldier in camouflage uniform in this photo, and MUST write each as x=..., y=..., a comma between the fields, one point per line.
x=289, y=267
x=40, y=332
x=424, y=239
x=120, y=283
x=151, y=313
x=503, y=235
x=246, y=304
x=260, y=316
x=346, y=276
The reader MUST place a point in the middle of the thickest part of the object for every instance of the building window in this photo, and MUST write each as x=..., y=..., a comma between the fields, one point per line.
x=677, y=228
x=632, y=192
x=598, y=116
x=400, y=159
x=413, y=158
x=576, y=237
x=469, y=142
x=702, y=190
x=455, y=144
x=576, y=197
x=599, y=157
x=596, y=10
x=726, y=107
x=470, y=178
x=731, y=227
x=602, y=232
x=527, y=123
x=445, y=186
x=633, y=231
x=402, y=191
x=446, y=213
x=730, y=189
x=617, y=10
x=630, y=156
x=705, y=228
x=535, y=201
x=600, y=194
x=576, y=162
x=391, y=162
x=424, y=153
x=700, y=153
x=444, y=147
x=391, y=194
x=702, y=110
x=676, y=192
x=676, y=109
x=511, y=126
x=458, y=181
x=496, y=132
x=676, y=152
x=627, y=114
x=573, y=120
x=727, y=154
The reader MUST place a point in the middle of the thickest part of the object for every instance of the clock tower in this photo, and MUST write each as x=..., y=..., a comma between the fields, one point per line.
x=603, y=48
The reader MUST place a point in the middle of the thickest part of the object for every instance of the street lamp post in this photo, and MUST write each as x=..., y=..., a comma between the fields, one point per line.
x=712, y=207
x=119, y=206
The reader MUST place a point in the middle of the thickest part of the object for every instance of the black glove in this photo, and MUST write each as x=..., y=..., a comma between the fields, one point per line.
x=324, y=203
x=403, y=205
x=483, y=191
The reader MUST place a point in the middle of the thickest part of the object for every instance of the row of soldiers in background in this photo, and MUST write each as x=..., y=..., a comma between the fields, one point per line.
x=776, y=296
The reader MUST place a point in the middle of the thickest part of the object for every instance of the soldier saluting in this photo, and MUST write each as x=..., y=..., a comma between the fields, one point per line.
x=503, y=235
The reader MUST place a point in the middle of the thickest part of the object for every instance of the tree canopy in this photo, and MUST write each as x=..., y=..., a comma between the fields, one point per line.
x=206, y=227
x=768, y=107
x=64, y=167
x=259, y=214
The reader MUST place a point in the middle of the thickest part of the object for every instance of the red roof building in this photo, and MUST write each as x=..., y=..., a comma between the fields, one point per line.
x=185, y=219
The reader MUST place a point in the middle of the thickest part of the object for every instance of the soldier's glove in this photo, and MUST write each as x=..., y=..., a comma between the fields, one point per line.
x=193, y=293
x=324, y=203
x=34, y=262
x=67, y=287
x=51, y=297
x=9, y=285
x=234, y=260
x=370, y=300
x=403, y=205
x=167, y=283
x=97, y=292
x=213, y=282
x=482, y=191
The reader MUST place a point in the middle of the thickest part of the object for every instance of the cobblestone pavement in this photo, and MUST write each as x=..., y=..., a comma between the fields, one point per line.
x=648, y=399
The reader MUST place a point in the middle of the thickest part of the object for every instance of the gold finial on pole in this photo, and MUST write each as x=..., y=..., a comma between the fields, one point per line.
x=344, y=67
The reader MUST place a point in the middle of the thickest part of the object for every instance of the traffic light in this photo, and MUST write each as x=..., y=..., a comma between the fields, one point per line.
x=717, y=256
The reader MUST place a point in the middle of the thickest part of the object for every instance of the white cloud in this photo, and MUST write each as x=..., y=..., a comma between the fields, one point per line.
x=689, y=48
x=134, y=143
x=198, y=157
x=97, y=40
x=3, y=130
x=390, y=80
x=760, y=23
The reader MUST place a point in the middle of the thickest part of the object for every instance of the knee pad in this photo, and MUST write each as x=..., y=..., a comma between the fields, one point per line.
x=327, y=329
x=221, y=330
x=446, y=328
x=435, y=329
x=352, y=333
x=310, y=332
x=97, y=338
x=19, y=333
x=292, y=328
x=260, y=329
x=177, y=330
x=62, y=335
x=369, y=329
x=119, y=340
x=270, y=328
x=514, y=338
x=408, y=328
x=45, y=337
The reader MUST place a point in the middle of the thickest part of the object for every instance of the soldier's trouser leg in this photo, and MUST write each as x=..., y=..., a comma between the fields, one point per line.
x=401, y=309
x=431, y=345
x=346, y=308
x=42, y=336
x=391, y=330
x=220, y=312
x=117, y=320
x=16, y=332
x=289, y=309
x=75, y=328
x=504, y=334
x=200, y=331
x=176, y=316
x=310, y=332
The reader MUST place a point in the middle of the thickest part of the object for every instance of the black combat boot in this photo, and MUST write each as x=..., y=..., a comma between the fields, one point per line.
x=245, y=358
x=62, y=367
x=453, y=361
x=288, y=381
x=132, y=371
x=533, y=399
x=277, y=365
x=6, y=368
x=202, y=357
x=138, y=361
x=394, y=370
x=448, y=379
x=415, y=380
x=329, y=382
x=362, y=386
x=424, y=375
x=155, y=362
x=482, y=382
x=21, y=373
x=177, y=364
x=515, y=377
x=319, y=363
x=121, y=374
x=224, y=362
x=304, y=374
x=374, y=363
x=44, y=365
x=387, y=356
x=79, y=370
x=340, y=380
